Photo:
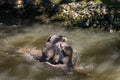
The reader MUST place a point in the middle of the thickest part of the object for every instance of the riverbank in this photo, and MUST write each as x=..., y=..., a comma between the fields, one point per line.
x=81, y=14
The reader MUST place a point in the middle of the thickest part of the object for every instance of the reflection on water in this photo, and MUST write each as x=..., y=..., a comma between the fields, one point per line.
x=95, y=52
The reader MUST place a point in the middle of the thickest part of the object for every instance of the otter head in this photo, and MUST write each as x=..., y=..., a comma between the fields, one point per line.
x=56, y=38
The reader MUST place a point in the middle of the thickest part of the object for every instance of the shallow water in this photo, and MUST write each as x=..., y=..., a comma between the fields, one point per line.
x=95, y=52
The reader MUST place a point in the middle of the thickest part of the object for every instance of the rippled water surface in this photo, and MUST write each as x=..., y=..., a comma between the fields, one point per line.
x=96, y=53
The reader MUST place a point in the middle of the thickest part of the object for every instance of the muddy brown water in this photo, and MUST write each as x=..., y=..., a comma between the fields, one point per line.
x=95, y=52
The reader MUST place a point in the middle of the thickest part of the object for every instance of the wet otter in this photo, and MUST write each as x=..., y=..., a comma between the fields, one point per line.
x=58, y=52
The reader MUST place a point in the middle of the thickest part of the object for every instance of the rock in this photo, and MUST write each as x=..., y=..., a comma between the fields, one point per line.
x=19, y=4
x=72, y=12
x=55, y=1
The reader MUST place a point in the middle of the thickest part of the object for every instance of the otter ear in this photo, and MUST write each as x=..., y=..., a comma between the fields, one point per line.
x=48, y=40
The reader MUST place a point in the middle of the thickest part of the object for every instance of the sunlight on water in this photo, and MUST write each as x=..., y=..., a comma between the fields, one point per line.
x=95, y=52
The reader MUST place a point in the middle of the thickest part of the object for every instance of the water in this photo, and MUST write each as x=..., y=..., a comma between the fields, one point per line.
x=95, y=53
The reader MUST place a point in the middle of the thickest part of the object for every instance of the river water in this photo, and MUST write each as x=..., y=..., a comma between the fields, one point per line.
x=95, y=52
